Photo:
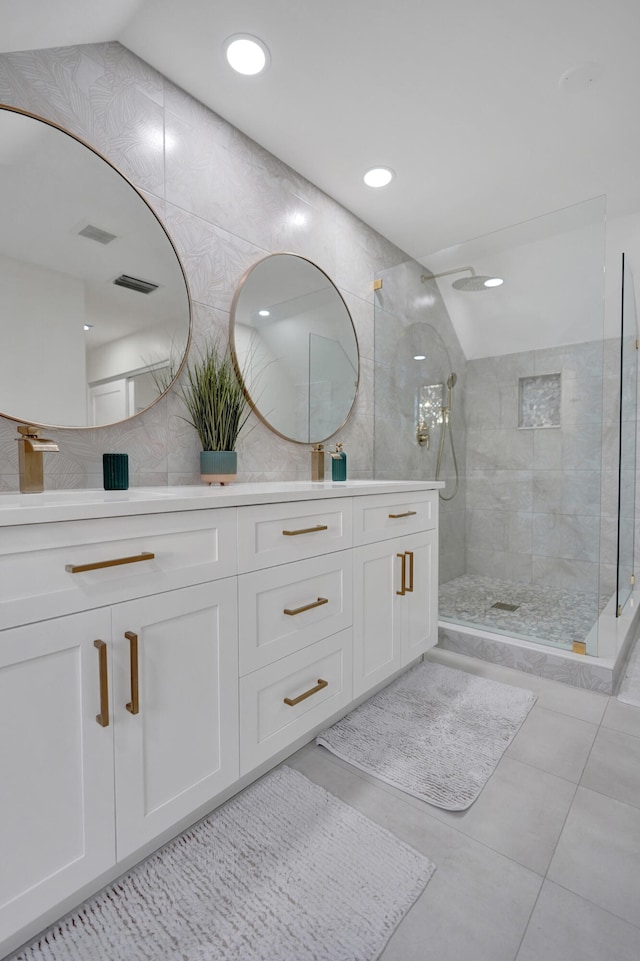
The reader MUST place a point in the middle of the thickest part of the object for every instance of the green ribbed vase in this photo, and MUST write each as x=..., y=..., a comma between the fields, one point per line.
x=218, y=466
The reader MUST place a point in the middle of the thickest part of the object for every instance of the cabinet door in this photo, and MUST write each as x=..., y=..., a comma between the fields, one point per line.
x=176, y=723
x=56, y=765
x=418, y=608
x=395, y=615
x=376, y=618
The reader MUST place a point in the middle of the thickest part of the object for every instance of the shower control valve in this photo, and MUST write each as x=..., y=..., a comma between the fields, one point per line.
x=422, y=436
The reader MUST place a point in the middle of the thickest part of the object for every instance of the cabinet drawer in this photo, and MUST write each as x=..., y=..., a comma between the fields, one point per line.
x=383, y=516
x=284, y=609
x=279, y=533
x=267, y=723
x=37, y=561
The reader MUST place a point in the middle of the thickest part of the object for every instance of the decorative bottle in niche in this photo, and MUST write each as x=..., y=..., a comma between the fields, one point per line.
x=338, y=464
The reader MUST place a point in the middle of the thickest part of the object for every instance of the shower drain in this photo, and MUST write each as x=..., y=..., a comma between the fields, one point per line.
x=501, y=606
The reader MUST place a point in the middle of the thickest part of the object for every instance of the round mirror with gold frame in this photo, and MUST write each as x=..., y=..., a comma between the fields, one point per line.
x=295, y=347
x=94, y=305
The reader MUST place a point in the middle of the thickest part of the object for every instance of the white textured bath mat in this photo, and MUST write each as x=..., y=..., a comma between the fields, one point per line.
x=436, y=733
x=282, y=872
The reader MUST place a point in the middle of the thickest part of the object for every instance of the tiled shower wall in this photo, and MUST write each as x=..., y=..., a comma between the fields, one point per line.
x=541, y=502
x=226, y=203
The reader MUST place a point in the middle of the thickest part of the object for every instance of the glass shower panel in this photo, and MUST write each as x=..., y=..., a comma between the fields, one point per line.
x=627, y=452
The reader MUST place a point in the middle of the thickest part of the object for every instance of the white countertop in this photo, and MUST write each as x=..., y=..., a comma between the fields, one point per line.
x=64, y=505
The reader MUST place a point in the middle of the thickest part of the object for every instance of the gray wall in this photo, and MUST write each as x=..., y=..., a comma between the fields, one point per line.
x=226, y=203
x=541, y=502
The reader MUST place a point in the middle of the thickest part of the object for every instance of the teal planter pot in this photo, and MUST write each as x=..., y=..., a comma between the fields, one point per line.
x=218, y=466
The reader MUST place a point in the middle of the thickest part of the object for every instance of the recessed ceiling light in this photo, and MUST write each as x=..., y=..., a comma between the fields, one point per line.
x=493, y=282
x=378, y=176
x=246, y=54
x=87, y=326
x=264, y=313
x=420, y=357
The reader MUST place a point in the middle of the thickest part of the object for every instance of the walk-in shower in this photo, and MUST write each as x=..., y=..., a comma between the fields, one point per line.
x=525, y=438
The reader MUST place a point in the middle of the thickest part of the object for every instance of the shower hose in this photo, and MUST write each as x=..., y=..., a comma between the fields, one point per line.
x=446, y=429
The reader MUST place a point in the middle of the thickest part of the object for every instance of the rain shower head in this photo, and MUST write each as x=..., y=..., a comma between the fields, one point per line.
x=474, y=282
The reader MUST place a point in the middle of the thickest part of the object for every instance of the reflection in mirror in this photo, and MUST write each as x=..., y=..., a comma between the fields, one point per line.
x=293, y=339
x=93, y=298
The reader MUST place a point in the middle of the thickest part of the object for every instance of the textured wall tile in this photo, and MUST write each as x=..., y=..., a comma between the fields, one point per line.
x=486, y=530
x=555, y=666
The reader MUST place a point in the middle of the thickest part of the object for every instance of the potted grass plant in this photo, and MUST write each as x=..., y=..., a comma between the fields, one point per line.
x=217, y=408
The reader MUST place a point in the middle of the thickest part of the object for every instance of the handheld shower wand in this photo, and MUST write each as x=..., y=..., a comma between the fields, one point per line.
x=446, y=429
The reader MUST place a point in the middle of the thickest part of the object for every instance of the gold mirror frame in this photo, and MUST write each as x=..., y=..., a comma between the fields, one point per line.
x=149, y=243
x=290, y=297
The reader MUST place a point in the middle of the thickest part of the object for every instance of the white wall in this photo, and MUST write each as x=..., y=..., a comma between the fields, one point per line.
x=49, y=338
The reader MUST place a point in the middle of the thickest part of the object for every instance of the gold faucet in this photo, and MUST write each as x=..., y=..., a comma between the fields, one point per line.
x=30, y=462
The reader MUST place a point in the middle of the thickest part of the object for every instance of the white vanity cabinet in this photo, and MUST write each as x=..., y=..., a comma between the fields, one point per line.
x=395, y=584
x=120, y=720
x=160, y=649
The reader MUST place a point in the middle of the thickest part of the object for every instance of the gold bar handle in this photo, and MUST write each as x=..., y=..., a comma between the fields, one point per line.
x=406, y=514
x=133, y=707
x=410, y=555
x=292, y=701
x=307, y=607
x=307, y=530
x=403, y=573
x=98, y=565
x=103, y=717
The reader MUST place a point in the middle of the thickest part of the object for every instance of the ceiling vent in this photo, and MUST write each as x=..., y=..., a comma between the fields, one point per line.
x=96, y=233
x=134, y=283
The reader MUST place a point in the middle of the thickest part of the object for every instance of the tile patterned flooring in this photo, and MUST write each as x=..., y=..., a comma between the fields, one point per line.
x=546, y=863
x=554, y=616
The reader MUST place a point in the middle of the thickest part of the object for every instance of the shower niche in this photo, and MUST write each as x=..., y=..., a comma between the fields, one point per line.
x=539, y=401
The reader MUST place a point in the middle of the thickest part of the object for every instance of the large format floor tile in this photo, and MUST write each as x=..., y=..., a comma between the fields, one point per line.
x=622, y=717
x=520, y=813
x=565, y=927
x=614, y=767
x=598, y=854
x=545, y=865
x=478, y=902
x=554, y=743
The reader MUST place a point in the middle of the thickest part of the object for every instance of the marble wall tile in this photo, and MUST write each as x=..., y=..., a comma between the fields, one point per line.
x=547, y=450
x=499, y=449
x=486, y=530
x=567, y=574
x=509, y=490
x=519, y=532
x=582, y=447
x=571, y=537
